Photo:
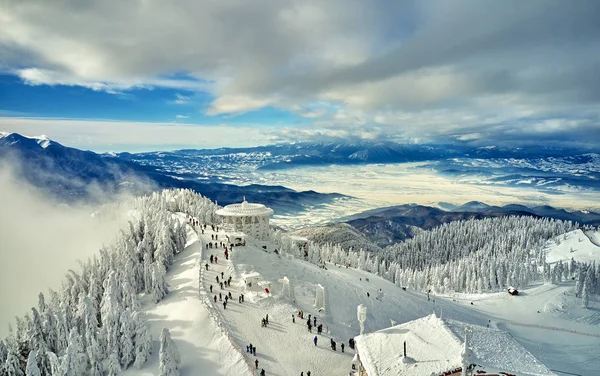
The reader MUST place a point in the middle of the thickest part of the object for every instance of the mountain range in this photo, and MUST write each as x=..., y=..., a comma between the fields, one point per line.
x=70, y=174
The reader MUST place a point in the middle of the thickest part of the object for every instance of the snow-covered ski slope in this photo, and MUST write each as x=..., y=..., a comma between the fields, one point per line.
x=575, y=244
x=204, y=346
x=213, y=340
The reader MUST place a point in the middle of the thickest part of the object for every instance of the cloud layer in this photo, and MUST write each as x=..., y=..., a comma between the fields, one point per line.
x=416, y=70
x=39, y=241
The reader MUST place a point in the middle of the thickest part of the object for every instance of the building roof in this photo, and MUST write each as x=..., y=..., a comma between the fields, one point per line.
x=298, y=238
x=250, y=275
x=245, y=209
x=434, y=345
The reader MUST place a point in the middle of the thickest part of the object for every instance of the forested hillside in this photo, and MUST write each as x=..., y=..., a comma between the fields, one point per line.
x=95, y=318
x=470, y=256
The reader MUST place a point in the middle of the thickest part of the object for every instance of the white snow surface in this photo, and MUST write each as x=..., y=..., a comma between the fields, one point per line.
x=213, y=341
x=577, y=245
x=434, y=346
x=203, y=344
x=43, y=141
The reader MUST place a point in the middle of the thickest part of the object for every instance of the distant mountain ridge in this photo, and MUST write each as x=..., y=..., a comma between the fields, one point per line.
x=296, y=154
x=71, y=174
x=393, y=224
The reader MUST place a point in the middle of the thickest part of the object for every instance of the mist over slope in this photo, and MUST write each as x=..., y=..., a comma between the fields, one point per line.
x=40, y=240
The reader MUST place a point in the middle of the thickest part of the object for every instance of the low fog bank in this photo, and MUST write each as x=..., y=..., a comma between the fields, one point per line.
x=39, y=241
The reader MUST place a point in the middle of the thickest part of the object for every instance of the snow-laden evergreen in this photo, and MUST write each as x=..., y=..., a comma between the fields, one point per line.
x=32, y=368
x=94, y=324
x=169, y=358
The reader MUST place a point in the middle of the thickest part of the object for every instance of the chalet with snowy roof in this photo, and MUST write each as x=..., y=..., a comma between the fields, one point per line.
x=443, y=347
x=250, y=219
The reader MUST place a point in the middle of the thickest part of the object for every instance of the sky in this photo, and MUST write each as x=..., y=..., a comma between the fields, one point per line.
x=153, y=75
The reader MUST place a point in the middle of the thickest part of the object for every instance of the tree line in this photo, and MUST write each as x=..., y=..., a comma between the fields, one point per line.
x=94, y=324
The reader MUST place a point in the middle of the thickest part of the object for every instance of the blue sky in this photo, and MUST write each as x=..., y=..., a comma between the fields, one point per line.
x=101, y=75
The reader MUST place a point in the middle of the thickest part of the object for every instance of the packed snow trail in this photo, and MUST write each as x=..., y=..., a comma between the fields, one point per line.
x=204, y=348
x=283, y=347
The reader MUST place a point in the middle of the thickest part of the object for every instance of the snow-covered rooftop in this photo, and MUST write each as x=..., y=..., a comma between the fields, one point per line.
x=435, y=345
x=244, y=209
x=252, y=274
x=299, y=238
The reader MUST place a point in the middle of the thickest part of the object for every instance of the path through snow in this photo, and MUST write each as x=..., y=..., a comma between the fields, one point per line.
x=283, y=347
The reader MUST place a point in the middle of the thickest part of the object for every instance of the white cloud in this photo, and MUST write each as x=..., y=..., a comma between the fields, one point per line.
x=182, y=99
x=232, y=104
x=417, y=65
x=181, y=117
x=40, y=240
x=105, y=135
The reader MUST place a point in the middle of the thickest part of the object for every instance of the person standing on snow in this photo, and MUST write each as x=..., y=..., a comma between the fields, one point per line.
x=315, y=340
x=267, y=318
x=210, y=288
x=262, y=372
x=256, y=362
x=342, y=346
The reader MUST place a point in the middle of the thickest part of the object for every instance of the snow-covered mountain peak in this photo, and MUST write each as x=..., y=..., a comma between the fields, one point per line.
x=43, y=141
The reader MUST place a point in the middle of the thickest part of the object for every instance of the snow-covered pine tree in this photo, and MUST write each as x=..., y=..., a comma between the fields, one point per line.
x=3, y=353
x=32, y=368
x=126, y=339
x=12, y=365
x=585, y=293
x=169, y=358
x=94, y=353
x=50, y=330
x=74, y=362
x=142, y=339
x=160, y=288
x=579, y=280
x=110, y=310
x=114, y=367
x=41, y=303
x=87, y=318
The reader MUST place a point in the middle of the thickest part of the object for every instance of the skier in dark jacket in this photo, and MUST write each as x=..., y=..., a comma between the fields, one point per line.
x=262, y=372
x=315, y=340
x=256, y=362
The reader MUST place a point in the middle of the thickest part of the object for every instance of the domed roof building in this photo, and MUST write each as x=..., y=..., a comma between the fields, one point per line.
x=251, y=219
